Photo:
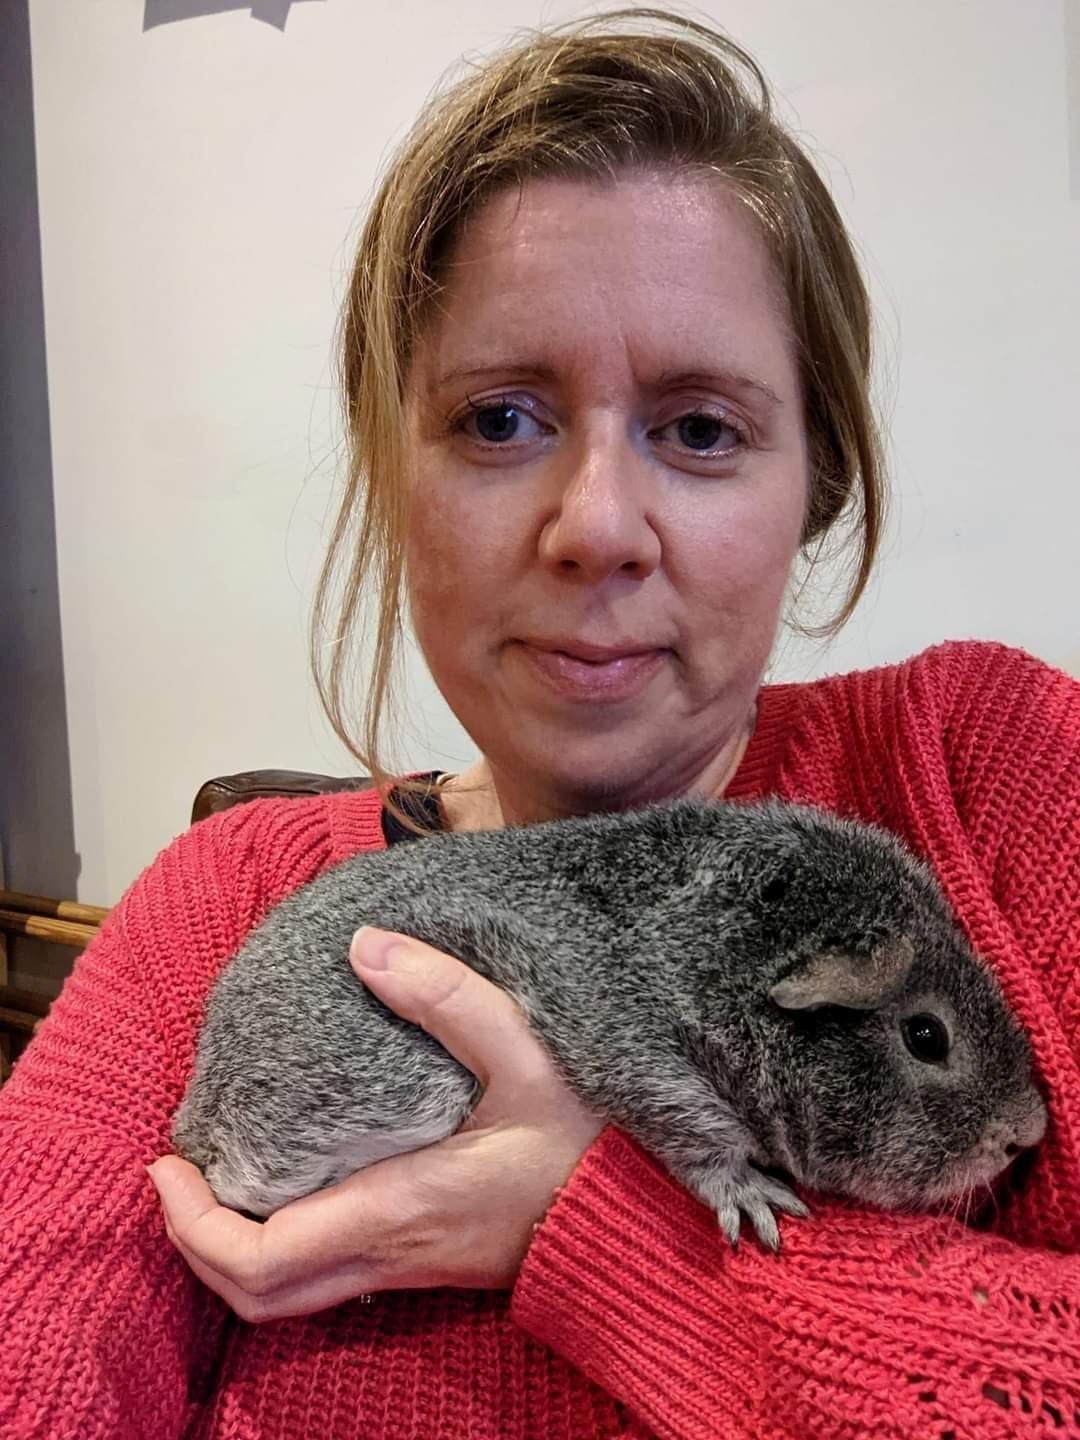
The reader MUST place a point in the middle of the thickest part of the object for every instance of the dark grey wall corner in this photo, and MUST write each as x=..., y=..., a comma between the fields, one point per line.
x=37, y=830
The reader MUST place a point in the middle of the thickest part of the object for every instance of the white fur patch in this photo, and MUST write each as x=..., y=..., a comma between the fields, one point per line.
x=239, y=1183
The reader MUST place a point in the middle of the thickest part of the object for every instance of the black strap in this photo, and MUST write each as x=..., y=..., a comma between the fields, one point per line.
x=422, y=805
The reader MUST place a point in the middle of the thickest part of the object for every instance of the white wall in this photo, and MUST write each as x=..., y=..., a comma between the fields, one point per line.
x=200, y=186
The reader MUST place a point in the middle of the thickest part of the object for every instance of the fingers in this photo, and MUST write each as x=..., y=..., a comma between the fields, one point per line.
x=479, y=1024
x=221, y=1247
x=293, y=1264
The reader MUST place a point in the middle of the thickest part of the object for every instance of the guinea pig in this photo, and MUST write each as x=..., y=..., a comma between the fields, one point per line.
x=739, y=987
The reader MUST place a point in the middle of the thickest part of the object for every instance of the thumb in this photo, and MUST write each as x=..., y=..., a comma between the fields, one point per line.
x=184, y=1194
x=480, y=1025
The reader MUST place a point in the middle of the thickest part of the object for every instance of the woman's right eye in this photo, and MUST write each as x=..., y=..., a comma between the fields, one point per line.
x=498, y=423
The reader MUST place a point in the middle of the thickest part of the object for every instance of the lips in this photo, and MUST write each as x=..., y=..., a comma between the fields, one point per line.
x=580, y=670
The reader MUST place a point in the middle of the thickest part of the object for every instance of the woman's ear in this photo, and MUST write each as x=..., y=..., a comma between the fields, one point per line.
x=854, y=982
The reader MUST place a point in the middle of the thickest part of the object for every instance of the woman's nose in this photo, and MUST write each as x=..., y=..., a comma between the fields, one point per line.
x=602, y=523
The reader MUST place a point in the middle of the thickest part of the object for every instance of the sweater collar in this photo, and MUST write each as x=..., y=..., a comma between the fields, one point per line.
x=759, y=767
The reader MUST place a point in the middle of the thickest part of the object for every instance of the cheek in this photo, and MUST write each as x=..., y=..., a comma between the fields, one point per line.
x=739, y=559
x=436, y=582
x=457, y=578
x=467, y=539
x=434, y=544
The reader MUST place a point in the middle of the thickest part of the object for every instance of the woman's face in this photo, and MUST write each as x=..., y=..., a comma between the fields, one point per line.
x=608, y=465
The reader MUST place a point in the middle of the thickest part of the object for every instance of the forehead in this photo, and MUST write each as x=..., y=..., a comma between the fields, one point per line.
x=668, y=269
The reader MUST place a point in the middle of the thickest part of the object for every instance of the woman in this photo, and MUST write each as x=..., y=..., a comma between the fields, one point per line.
x=606, y=362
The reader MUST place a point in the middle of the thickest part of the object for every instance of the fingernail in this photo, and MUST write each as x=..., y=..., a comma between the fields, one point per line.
x=374, y=949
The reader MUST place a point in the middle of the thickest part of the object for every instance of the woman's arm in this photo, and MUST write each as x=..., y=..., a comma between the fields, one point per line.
x=104, y=1332
x=865, y=1323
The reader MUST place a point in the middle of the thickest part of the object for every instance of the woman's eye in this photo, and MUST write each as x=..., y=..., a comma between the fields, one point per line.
x=705, y=434
x=497, y=423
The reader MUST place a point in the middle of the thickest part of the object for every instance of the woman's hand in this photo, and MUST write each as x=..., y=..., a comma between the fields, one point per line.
x=461, y=1212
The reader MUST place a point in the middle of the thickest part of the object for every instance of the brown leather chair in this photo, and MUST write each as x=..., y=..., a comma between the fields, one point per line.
x=225, y=791
x=67, y=923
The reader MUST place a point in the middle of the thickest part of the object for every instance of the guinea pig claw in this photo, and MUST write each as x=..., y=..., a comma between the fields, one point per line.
x=756, y=1196
x=730, y=1223
x=764, y=1223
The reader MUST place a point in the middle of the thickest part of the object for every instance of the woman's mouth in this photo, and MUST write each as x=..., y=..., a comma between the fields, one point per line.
x=586, y=672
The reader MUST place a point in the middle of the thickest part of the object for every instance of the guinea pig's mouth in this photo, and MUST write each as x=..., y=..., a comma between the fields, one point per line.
x=1007, y=1143
x=966, y=1177
x=964, y=1182
x=977, y=1171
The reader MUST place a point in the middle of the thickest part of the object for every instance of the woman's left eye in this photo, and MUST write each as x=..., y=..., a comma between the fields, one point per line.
x=705, y=434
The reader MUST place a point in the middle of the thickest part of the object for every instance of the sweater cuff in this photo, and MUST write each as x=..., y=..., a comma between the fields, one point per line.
x=625, y=1278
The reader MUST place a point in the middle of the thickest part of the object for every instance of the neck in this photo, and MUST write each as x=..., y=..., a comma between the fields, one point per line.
x=482, y=798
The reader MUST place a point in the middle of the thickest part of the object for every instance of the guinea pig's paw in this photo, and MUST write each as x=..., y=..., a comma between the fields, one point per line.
x=735, y=1189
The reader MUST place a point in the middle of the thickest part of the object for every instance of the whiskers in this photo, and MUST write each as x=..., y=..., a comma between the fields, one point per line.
x=962, y=1203
x=981, y=1197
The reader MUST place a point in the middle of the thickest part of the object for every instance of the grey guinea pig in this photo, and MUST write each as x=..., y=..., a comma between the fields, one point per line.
x=735, y=986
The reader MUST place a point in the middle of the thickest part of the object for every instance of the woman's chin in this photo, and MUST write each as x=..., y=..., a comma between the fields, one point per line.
x=591, y=776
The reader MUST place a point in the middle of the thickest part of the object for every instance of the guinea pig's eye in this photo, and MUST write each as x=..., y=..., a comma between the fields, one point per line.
x=926, y=1037
x=774, y=890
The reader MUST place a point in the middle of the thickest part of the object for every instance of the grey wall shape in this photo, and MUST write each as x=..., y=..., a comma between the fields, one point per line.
x=164, y=12
x=37, y=832
x=1072, y=92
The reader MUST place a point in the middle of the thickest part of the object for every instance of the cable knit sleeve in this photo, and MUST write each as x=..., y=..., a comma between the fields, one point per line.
x=868, y=1323
x=105, y=1331
x=912, y=1328
x=1013, y=742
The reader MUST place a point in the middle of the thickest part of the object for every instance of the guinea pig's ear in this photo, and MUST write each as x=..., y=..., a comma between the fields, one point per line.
x=855, y=982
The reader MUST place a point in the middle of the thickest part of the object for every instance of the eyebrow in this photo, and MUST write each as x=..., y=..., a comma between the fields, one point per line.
x=726, y=378
x=698, y=375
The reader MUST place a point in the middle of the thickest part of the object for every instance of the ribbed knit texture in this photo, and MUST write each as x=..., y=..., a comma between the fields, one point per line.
x=631, y=1317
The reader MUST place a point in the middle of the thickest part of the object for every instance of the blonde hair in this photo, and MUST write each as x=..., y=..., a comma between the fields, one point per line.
x=626, y=89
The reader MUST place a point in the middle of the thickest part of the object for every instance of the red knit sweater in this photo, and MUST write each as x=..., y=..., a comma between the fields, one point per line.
x=630, y=1316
